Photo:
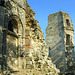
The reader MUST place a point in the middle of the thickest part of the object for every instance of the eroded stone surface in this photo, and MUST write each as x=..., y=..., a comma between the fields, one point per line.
x=60, y=40
x=24, y=49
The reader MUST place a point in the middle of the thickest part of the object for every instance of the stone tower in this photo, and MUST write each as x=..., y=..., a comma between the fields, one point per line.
x=60, y=40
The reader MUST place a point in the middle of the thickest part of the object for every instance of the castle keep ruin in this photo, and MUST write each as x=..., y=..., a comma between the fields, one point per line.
x=22, y=47
x=60, y=40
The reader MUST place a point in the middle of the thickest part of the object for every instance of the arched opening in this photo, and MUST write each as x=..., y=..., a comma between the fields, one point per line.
x=13, y=26
x=14, y=37
x=15, y=40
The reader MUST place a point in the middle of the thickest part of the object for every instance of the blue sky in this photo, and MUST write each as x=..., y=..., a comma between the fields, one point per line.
x=44, y=8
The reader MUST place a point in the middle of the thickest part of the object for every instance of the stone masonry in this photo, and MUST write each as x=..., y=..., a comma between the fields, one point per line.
x=60, y=40
x=22, y=47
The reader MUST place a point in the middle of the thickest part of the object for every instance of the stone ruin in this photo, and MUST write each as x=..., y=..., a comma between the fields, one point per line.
x=22, y=47
x=60, y=40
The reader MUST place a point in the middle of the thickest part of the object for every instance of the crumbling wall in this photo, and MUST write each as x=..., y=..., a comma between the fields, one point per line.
x=69, y=38
x=26, y=49
x=36, y=49
x=33, y=30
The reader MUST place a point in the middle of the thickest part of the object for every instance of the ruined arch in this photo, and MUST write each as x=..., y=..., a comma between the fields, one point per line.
x=14, y=36
x=14, y=40
x=19, y=23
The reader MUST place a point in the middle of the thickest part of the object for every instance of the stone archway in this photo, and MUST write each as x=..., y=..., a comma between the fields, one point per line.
x=14, y=40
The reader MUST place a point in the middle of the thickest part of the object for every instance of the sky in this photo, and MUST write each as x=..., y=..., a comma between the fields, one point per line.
x=43, y=8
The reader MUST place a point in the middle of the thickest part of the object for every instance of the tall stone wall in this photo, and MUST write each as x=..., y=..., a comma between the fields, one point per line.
x=55, y=39
x=69, y=44
x=12, y=33
x=60, y=40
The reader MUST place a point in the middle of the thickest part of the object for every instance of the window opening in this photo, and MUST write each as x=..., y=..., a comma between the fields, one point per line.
x=67, y=39
x=12, y=26
x=67, y=21
x=37, y=37
x=49, y=52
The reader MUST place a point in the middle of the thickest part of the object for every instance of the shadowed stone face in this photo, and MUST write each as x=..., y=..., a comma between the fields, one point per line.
x=2, y=2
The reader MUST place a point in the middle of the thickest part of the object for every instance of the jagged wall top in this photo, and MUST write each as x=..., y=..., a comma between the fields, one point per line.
x=59, y=12
x=30, y=19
